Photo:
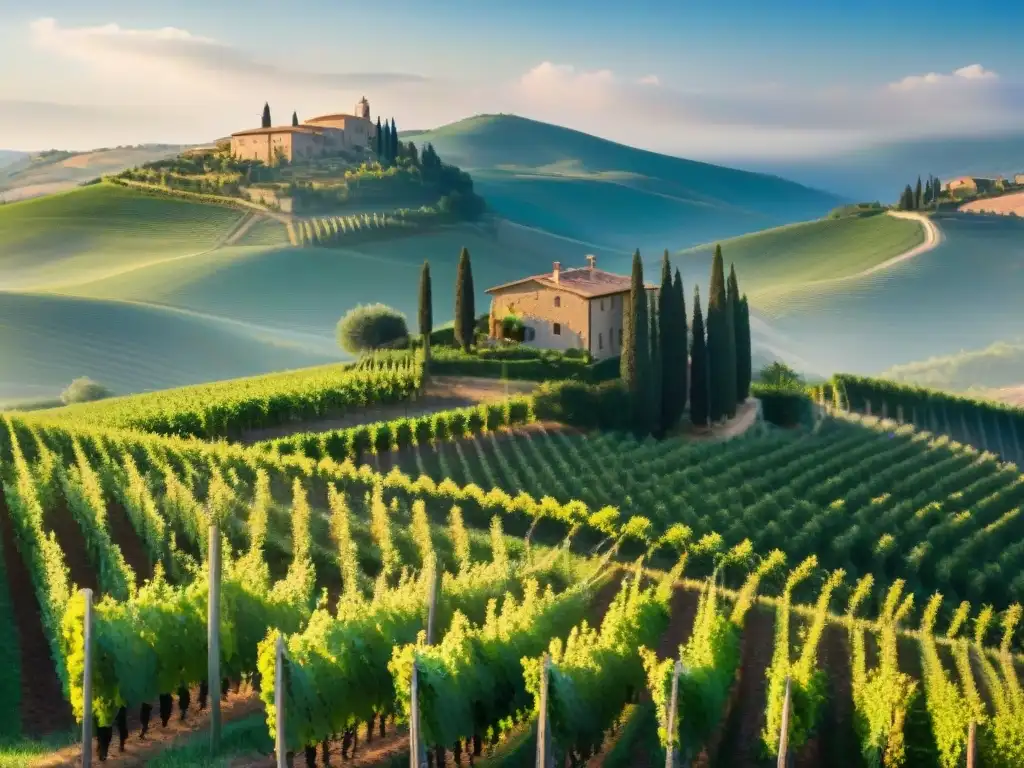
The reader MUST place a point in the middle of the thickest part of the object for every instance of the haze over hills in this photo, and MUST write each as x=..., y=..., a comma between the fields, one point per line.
x=879, y=172
x=580, y=186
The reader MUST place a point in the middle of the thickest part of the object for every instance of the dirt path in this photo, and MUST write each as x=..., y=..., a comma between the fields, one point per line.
x=837, y=739
x=139, y=751
x=745, y=418
x=741, y=747
x=43, y=707
x=241, y=227
x=442, y=393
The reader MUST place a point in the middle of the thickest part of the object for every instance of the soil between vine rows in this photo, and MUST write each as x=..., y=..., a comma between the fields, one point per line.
x=43, y=707
x=125, y=537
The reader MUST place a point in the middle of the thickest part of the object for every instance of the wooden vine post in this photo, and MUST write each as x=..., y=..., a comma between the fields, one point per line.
x=545, y=746
x=87, y=682
x=672, y=752
x=417, y=749
x=784, y=730
x=280, y=747
x=972, y=746
x=213, y=677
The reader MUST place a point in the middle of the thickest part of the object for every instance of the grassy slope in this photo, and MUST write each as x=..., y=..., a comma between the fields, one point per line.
x=31, y=170
x=998, y=365
x=962, y=295
x=99, y=230
x=46, y=341
x=581, y=186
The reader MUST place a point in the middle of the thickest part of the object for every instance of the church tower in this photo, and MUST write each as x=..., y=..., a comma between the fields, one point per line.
x=363, y=109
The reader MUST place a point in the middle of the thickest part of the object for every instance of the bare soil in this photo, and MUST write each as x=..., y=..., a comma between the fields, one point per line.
x=745, y=418
x=741, y=747
x=441, y=394
x=124, y=536
x=62, y=523
x=836, y=737
x=139, y=751
x=43, y=707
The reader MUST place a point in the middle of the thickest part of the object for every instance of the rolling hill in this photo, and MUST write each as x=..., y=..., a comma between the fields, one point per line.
x=573, y=184
x=43, y=173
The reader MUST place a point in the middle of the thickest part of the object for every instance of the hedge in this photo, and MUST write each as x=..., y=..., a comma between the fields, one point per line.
x=383, y=436
x=782, y=405
x=445, y=361
x=985, y=424
x=588, y=406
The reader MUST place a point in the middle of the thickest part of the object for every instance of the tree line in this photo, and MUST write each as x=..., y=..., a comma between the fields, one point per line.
x=666, y=366
x=921, y=195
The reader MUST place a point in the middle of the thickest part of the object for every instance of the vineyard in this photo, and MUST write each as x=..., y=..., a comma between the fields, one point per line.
x=338, y=230
x=851, y=589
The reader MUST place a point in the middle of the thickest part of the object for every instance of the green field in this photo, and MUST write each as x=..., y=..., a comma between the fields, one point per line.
x=578, y=185
x=100, y=230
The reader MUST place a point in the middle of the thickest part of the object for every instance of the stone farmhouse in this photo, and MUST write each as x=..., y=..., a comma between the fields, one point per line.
x=969, y=185
x=580, y=308
x=324, y=136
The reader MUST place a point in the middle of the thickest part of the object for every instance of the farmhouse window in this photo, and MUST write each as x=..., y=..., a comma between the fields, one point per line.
x=620, y=337
x=558, y=301
x=602, y=305
x=558, y=329
x=600, y=341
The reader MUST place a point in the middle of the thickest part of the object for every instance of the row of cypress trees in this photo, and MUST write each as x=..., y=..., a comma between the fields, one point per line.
x=387, y=141
x=465, y=305
x=664, y=372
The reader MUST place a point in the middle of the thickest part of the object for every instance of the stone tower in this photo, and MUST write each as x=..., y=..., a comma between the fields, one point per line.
x=363, y=109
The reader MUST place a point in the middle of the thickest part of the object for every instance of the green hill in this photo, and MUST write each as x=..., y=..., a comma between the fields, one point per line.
x=100, y=230
x=30, y=175
x=996, y=366
x=581, y=186
x=46, y=341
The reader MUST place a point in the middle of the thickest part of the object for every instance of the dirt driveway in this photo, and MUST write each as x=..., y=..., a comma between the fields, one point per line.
x=442, y=393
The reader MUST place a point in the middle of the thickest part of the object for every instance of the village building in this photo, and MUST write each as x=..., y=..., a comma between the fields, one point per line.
x=324, y=136
x=579, y=308
x=969, y=185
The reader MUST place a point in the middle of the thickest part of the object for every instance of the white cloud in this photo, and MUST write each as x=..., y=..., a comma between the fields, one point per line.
x=202, y=88
x=970, y=73
x=176, y=56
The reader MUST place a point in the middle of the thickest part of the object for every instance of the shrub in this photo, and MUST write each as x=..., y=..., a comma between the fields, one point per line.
x=495, y=415
x=362, y=439
x=591, y=406
x=783, y=405
x=337, y=445
x=84, y=390
x=370, y=327
x=382, y=437
x=476, y=421
x=441, y=430
x=779, y=375
x=423, y=430
x=403, y=433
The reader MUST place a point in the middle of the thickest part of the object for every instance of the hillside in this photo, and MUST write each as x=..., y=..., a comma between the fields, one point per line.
x=42, y=173
x=581, y=186
x=1000, y=365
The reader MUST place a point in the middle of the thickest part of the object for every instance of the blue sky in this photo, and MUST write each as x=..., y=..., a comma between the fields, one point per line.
x=781, y=78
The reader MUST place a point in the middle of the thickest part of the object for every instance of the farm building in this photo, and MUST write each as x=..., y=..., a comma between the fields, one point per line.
x=969, y=185
x=579, y=308
x=322, y=136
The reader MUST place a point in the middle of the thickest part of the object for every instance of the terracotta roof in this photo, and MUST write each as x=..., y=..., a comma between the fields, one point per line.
x=279, y=129
x=582, y=281
x=334, y=117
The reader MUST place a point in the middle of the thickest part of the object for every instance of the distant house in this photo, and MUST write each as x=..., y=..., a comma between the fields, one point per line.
x=579, y=308
x=969, y=185
x=322, y=136
x=1018, y=179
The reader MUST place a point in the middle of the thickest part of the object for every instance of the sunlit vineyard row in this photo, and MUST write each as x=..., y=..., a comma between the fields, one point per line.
x=334, y=230
x=228, y=408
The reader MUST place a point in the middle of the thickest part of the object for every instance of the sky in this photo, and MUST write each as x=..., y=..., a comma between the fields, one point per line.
x=698, y=78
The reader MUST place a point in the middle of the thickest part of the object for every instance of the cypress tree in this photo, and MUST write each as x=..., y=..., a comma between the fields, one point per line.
x=394, y=141
x=656, y=404
x=465, y=312
x=683, y=343
x=732, y=302
x=386, y=143
x=380, y=141
x=721, y=392
x=635, y=360
x=698, y=368
x=295, y=118
x=672, y=348
x=744, y=363
x=426, y=313
x=266, y=115
x=917, y=195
